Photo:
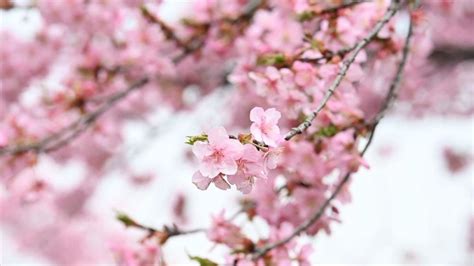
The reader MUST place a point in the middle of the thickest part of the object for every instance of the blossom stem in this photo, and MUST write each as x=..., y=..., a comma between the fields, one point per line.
x=391, y=11
x=64, y=136
x=391, y=96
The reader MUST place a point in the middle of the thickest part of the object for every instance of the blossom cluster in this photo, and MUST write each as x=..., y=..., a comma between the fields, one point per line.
x=238, y=161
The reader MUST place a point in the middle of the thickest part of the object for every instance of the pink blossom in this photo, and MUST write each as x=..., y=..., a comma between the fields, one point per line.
x=305, y=74
x=202, y=182
x=304, y=254
x=250, y=166
x=224, y=232
x=265, y=125
x=219, y=154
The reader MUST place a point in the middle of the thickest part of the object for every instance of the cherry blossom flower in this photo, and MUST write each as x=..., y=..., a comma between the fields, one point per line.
x=265, y=125
x=250, y=166
x=219, y=154
x=224, y=232
x=202, y=182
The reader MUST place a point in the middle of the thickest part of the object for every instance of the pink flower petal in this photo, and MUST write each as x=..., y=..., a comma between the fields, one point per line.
x=219, y=182
x=256, y=114
x=201, y=181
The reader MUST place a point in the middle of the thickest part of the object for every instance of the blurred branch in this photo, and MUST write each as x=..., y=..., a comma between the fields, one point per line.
x=64, y=136
x=308, y=15
x=70, y=132
x=162, y=235
x=167, y=30
x=391, y=96
x=392, y=9
x=451, y=54
x=9, y=4
x=395, y=84
x=328, y=55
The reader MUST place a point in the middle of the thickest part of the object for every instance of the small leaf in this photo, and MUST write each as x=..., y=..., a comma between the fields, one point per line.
x=272, y=60
x=328, y=131
x=125, y=219
x=193, y=139
x=306, y=15
x=203, y=261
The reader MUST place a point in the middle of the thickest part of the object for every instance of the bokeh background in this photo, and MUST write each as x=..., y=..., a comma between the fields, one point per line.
x=408, y=208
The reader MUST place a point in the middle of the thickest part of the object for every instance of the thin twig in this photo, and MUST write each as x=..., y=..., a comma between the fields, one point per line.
x=312, y=14
x=167, y=30
x=393, y=89
x=58, y=139
x=163, y=235
x=392, y=9
x=65, y=135
x=328, y=55
x=391, y=96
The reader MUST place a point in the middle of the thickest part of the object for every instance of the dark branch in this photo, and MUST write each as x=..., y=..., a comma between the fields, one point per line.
x=393, y=8
x=162, y=235
x=391, y=96
x=65, y=135
x=308, y=15
x=62, y=137
x=451, y=54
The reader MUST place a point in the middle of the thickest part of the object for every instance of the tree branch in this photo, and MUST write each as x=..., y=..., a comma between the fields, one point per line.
x=162, y=235
x=451, y=54
x=393, y=89
x=58, y=139
x=308, y=15
x=392, y=9
x=65, y=135
x=391, y=96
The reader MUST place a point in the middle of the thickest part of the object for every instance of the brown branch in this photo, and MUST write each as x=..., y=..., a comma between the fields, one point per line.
x=393, y=89
x=391, y=96
x=392, y=9
x=65, y=135
x=308, y=15
x=167, y=30
x=9, y=5
x=315, y=217
x=328, y=55
x=162, y=235
x=451, y=54
x=58, y=139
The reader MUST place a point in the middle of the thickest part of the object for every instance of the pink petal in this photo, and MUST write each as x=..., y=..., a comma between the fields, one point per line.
x=236, y=179
x=207, y=168
x=273, y=137
x=245, y=187
x=234, y=149
x=256, y=132
x=228, y=167
x=250, y=154
x=272, y=73
x=256, y=114
x=217, y=135
x=201, y=149
x=201, y=181
x=272, y=116
x=219, y=182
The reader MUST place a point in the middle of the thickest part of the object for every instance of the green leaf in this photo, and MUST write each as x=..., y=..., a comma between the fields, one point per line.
x=328, y=131
x=272, y=60
x=305, y=15
x=193, y=139
x=125, y=219
x=202, y=261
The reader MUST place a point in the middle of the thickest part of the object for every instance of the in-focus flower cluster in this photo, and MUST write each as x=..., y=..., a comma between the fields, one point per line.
x=227, y=160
